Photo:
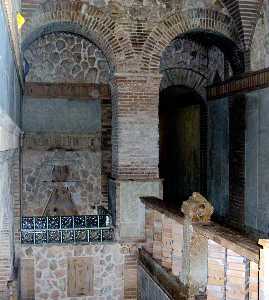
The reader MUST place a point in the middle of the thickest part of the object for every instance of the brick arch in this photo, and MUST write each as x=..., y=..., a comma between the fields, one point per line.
x=93, y=24
x=197, y=82
x=186, y=77
x=181, y=23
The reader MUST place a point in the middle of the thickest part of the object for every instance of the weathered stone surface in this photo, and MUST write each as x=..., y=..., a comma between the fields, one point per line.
x=130, y=212
x=80, y=277
x=67, y=116
x=186, y=62
x=38, y=184
x=197, y=209
x=63, y=57
x=27, y=279
x=59, y=271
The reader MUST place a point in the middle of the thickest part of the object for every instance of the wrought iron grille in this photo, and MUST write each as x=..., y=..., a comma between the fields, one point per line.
x=66, y=229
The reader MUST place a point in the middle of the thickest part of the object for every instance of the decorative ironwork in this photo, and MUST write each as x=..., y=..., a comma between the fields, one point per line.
x=66, y=229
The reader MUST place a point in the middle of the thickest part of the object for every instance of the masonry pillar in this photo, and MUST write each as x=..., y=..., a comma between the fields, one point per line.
x=135, y=150
x=195, y=250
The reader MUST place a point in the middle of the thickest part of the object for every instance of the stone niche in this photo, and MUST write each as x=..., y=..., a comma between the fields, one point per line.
x=62, y=157
x=60, y=201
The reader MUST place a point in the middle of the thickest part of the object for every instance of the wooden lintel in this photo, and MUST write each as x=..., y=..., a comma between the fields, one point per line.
x=80, y=91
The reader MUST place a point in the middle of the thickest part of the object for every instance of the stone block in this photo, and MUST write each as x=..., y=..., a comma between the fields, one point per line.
x=27, y=279
x=80, y=277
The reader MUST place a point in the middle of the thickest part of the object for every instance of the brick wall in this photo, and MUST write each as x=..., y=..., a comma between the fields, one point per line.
x=135, y=149
x=106, y=146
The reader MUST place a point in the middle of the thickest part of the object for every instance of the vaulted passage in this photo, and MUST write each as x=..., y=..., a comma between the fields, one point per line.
x=181, y=142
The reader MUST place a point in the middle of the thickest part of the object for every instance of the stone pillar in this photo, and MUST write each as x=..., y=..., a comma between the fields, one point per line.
x=167, y=250
x=195, y=250
x=157, y=236
x=135, y=150
x=177, y=246
x=149, y=230
x=264, y=270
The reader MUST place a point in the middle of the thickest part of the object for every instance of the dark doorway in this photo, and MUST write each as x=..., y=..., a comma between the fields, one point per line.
x=181, y=115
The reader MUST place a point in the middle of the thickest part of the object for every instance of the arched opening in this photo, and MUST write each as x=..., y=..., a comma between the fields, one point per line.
x=228, y=47
x=67, y=116
x=182, y=140
x=189, y=64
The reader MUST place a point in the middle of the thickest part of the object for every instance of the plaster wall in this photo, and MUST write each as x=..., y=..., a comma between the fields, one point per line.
x=218, y=157
x=128, y=210
x=61, y=116
x=257, y=159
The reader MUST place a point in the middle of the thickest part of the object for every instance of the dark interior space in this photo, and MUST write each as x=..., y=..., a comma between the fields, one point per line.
x=180, y=143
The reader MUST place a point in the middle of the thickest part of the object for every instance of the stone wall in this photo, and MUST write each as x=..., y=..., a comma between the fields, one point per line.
x=204, y=63
x=218, y=157
x=48, y=273
x=256, y=204
x=67, y=133
x=64, y=57
x=260, y=43
x=83, y=181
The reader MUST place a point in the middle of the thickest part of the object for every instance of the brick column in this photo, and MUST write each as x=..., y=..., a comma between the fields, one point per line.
x=135, y=149
x=135, y=132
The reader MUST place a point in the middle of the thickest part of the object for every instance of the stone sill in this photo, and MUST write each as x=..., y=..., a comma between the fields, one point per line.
x=223, y=236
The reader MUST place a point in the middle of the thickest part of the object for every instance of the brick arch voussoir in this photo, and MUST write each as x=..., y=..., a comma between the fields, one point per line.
x=184, y=77
x=183, y=22
x=93, y=24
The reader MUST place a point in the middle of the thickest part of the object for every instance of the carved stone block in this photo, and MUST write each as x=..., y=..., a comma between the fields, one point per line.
x=80, y=277
x=27, y=279
x=197, y=209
